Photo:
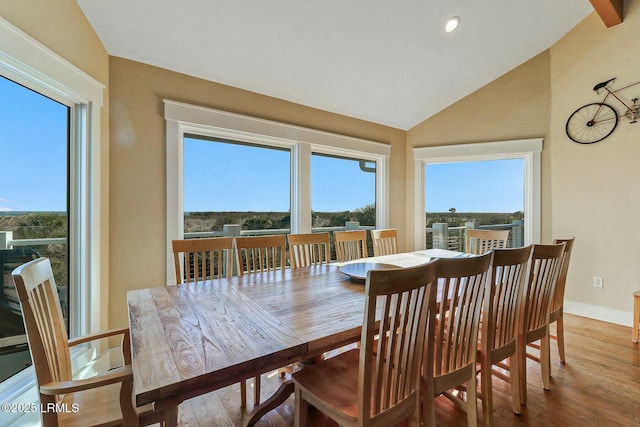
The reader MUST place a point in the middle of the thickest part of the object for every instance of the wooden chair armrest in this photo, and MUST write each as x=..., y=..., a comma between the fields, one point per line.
x=122, y=374
x=97, y=335
x=125, y=345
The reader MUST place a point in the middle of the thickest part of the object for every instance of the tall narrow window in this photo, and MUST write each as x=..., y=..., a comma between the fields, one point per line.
x=230, y=182
x=34, y=146
x=342, y=190
x=343, y=194
x=484, y=194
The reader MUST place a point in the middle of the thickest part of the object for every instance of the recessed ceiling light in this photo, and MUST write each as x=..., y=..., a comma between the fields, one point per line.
x=452, y=24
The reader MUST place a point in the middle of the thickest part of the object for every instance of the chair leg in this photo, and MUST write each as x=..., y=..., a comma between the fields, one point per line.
x=414, y=420
x=472, y=401
x=560, y=336
x=427, y=404
x=545, y=361
x=171, y=417
x=522, y=368
x=243, y=393
x=256, y=390
x=514, y=381
x=301, y=410
x=487, y=394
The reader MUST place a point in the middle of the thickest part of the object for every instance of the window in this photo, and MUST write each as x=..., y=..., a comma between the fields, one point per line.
x=228, y=182
x=306, y=146
x=342, y=190
x=484, y=194
x=523, y=154
x=33, y=205
x=30, y=64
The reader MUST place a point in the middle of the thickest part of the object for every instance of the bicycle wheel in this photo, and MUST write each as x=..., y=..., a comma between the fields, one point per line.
x=592, y=123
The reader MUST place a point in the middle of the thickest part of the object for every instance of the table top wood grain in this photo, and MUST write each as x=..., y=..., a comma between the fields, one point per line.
x=194, y=338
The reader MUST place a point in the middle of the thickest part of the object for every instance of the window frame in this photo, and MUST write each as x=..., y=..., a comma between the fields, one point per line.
x=31, y=64
x=186, y=119
x=527, y=149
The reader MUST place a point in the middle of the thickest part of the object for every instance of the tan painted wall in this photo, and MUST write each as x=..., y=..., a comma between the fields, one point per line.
x=138, y=220
x=62, y=27
x=590, y=192
x=515, y=106
x=595, y=188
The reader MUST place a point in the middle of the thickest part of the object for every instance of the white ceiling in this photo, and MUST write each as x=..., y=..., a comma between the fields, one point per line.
x=385, y=61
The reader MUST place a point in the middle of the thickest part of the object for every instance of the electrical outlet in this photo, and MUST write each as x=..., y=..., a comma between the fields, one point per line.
x=597, y=282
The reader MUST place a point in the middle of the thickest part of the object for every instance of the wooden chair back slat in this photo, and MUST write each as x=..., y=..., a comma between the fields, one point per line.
x=503, y=297
x=543, y=273
x=462, y=283
x=558, y=294
x=350, y=245
x=202, y=259
x=308, y=249
x=260, y=253
x=404, y=301
x=44, y=322
x=385, y=242
x=481, y=241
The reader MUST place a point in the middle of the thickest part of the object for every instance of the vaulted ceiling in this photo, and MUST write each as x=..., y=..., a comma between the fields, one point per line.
x=389, y=62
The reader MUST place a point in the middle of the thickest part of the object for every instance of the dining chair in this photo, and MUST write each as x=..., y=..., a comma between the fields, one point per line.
x=201, y=259
x=350, y=245
x=461, y=283
x=256, y=254
x=499, y=325
x=538, y=292
x=260, y=253
x=379, y=383
x=557, y=303
x=481, y=241
x=105, y=399
x=385, y=242
x=308, y=249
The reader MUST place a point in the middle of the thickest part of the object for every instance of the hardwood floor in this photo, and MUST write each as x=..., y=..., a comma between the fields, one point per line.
x=598, y=386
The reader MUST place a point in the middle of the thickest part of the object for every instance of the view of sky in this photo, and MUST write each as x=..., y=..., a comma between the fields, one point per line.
x=31, y=123
x=482, y=186
x=223, y=177
x=231, y=177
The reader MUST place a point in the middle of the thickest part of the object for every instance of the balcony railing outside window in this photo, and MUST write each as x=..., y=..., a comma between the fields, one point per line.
x=441, y=236
x=14, y=351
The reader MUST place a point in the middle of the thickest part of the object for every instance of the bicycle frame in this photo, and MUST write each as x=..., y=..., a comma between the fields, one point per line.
x=632, y=110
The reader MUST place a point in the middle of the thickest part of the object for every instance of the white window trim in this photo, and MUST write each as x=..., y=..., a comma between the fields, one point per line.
x=184, y=119
x=28, y=62
x=527, y=149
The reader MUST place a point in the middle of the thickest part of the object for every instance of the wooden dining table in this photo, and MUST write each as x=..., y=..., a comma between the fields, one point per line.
x=191, y=339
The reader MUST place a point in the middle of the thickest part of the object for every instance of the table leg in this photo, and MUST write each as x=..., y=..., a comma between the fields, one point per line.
x=171, y=417
x=277, y=399
x=282, y=394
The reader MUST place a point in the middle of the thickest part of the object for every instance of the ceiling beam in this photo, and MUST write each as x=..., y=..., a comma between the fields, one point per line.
x=610, y=11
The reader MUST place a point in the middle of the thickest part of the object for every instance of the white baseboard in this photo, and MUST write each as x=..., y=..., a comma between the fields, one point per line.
x=605, y=314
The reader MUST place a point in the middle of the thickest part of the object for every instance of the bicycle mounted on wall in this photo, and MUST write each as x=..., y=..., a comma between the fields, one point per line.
x=596, y=121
